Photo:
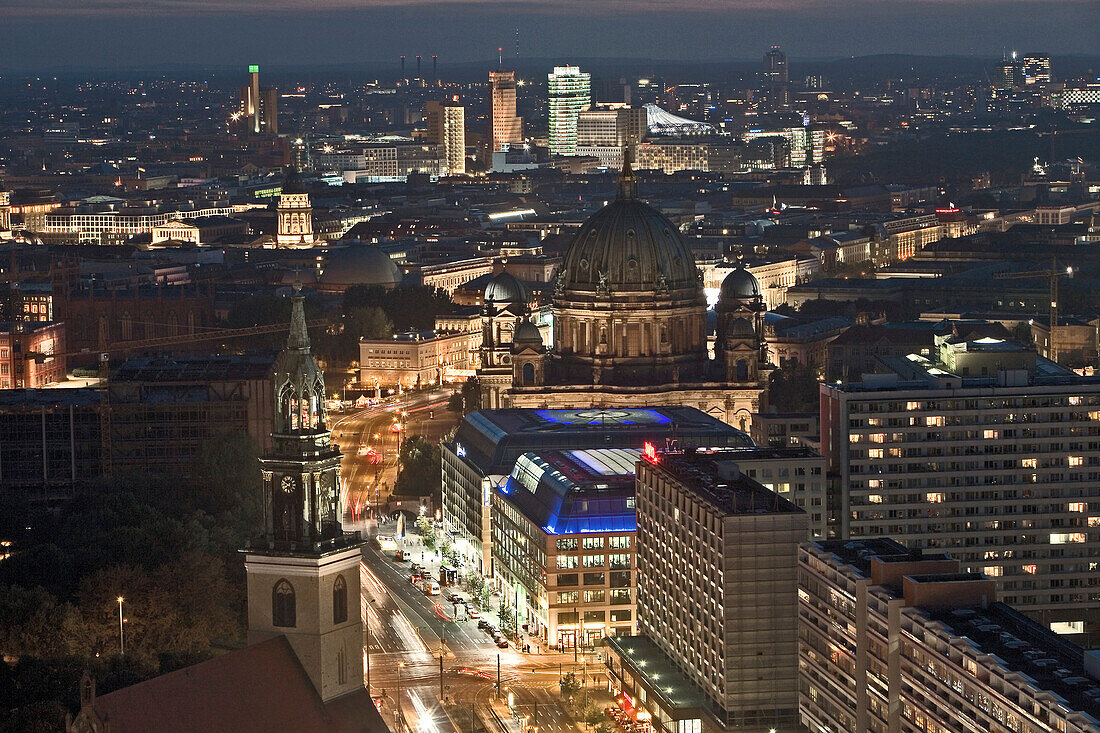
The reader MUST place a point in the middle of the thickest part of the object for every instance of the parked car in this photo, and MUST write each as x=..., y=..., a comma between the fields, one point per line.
x=483, y=624
x=474, y=613
x=502, y=643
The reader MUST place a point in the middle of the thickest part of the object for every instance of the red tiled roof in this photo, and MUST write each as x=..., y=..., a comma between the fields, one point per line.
x=262, y=687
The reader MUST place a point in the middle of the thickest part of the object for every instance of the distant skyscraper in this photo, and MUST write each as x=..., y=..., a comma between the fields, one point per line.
x=1036, y=68
x=260, y=106
x=447, y=127
x=776, y=78
x=506, y=127
x=1008, y=76
x=570, y=92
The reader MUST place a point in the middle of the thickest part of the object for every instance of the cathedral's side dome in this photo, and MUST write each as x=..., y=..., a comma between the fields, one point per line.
x=740, y=284
x=361, y=264
x=527, y=334
x=504, y=288
x=628, y=246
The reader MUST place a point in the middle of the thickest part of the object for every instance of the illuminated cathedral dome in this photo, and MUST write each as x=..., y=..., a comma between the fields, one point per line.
x=628, y=246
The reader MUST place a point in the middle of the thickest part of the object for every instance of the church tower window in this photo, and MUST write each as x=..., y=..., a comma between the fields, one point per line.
x=284, y=610
x=339, y=600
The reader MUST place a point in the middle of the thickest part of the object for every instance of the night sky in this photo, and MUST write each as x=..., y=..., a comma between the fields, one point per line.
x=42, y=34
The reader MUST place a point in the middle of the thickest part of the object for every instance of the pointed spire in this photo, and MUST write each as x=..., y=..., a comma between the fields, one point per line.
x=628, y=184
x=298, y=340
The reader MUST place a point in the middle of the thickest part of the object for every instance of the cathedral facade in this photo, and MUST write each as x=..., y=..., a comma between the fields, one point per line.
x=629, y=326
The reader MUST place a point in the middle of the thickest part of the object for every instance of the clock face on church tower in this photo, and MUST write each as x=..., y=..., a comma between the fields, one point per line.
x=287, y=485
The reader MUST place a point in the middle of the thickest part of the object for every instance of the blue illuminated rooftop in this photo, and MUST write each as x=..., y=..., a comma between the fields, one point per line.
x=492, y=440
x=570, y=492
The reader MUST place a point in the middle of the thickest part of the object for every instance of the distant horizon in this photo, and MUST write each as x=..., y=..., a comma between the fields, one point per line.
x=121, y=34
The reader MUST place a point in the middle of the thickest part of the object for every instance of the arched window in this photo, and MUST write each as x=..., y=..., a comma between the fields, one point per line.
x=742, y=370
x=283, y=608
x=339, y=600
x=528, y=374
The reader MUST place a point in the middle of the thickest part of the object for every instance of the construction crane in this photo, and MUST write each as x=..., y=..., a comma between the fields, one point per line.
x=121, y=347
x=1052, y=275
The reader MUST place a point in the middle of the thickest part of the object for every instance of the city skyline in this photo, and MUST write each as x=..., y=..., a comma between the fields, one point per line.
x=109, y=35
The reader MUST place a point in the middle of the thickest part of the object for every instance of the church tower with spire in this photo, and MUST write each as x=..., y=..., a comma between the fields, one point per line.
x=303, y=570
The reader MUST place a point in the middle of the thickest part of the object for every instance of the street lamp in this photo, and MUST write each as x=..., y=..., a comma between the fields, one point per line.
x=121, y=641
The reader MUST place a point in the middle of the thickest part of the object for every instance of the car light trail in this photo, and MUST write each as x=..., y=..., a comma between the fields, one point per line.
x=413, y=642
x=424, y=720
x=370, y=581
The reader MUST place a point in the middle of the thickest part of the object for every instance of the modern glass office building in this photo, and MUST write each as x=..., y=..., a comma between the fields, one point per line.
x=570, y=92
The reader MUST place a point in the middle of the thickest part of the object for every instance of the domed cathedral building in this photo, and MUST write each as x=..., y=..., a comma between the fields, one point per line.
x=629, y=316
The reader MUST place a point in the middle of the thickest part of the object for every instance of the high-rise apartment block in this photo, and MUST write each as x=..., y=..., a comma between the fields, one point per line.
x=605, y=132
x=506, y=128
x=259, y=105
x=893, y=640
x=717, y=600
x=570, y=93
x=447, y=127
x=986, y=451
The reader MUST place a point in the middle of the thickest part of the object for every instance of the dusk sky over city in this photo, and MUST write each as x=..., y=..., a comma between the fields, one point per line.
x=118, y=33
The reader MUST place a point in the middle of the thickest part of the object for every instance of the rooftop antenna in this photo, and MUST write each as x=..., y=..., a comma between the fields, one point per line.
x=403, y=69
x=418, y=77
x=435, y=70
x=517, y=42
x=500, y=57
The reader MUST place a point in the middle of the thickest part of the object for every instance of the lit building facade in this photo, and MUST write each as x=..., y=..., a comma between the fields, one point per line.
x=717, y=599
x=26, y=354
x=988, y=452
x=414, y=359
x=488, y=444
x=893, y=640
x=563, y=543
x=570, y=92
x=506, y=128
x=447, y=128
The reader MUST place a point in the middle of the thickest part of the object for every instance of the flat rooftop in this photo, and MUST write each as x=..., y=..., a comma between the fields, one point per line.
x=1049, y=660
x=715, y=478
x=196, y=369
x=494, y=439
x=659, y=673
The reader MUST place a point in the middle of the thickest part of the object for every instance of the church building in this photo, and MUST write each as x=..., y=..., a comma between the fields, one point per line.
x=303, y=667
x=629, y=316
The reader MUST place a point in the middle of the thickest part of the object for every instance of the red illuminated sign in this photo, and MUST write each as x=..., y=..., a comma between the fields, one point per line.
x=649, y=452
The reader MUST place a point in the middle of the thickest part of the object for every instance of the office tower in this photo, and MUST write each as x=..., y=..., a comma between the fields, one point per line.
x=717, y=599
x=606, y=132
x=259, y=105
x=505, y=127
x=570, y=92
x=1007, y=76
x=775, y=78
x=1036, y=68
x=987, y=451
x=447, y=127
x=893, y=640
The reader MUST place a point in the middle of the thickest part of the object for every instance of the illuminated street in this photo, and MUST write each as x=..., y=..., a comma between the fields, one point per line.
x=406, y=628
x=369, y=478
